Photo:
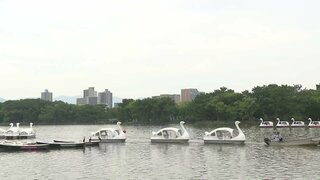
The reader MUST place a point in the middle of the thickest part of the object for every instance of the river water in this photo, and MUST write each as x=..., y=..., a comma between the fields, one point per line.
x=139, y=159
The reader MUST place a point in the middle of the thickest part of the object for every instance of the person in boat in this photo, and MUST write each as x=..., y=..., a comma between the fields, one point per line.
x=277, y=137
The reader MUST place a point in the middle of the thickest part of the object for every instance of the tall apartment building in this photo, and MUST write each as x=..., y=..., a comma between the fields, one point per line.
x=90, y=92
x=46, y=95
x=90, y=97
x=105, y=97
x=188, y=95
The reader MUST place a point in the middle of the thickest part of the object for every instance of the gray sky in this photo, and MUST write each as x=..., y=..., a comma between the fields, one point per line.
x=145, y=48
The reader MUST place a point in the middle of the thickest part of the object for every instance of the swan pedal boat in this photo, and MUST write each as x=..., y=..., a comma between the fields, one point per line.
x=15, y=146
x=265, y=124
x=297, y=124
x=312, y=141
x=313, y=124
x=20, y=133
x=282, y=124
x=109, y=135
x=63, y=144
x=171, y=135
x=224, y=135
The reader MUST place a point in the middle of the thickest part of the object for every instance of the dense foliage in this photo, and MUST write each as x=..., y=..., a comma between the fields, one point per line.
x=223, y=104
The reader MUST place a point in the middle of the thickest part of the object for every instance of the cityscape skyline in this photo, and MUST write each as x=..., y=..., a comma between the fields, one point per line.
x=144, y=48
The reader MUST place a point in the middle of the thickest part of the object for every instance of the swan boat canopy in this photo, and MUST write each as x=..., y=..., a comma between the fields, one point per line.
x=225, y=135
x=19, y=133
x=313, y=124
x=266, y=124
x=27, y=132
x=282, y=124
x=297, y=124
x=13, y=132
x=171, y=135
x=109, y=135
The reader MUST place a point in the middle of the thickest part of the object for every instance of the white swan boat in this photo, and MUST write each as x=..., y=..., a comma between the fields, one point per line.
x=313, y=124
x=27, y=133
x=109, y=135
x=171, y=135
x=282, y=124
x=266, y=124
x=225, y=135
x=297, y=124
x=13, y=132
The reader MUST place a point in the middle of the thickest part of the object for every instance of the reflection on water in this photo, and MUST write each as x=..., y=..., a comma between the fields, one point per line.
x=139, y=159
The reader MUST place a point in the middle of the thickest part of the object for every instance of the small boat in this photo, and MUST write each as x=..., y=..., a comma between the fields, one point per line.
x=18, y=146
x=109, y=135
x=171, y=135
x=282, y=124
x=297, y=124
x=225, y=135
x=266, y=124
x=59, y=145
x=313, y=124
x=293, y=142
x=27, y=133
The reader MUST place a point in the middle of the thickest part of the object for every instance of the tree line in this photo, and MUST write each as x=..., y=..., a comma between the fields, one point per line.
x=268, y=101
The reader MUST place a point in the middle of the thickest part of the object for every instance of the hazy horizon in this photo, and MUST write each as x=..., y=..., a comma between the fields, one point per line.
x=146, y=48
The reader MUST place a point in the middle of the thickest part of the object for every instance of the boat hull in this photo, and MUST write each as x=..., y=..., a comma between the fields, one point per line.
x=112, y=140
x=266, y=126
x=24, y=147
x=59, y=145
x=92, y=143
x=207, y=141
x=169, y=140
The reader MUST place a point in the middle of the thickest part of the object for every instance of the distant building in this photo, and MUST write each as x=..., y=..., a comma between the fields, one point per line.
x=90, y=97
x=46, y=95
x=90, y=92
x=188, y=95
x=92, y=100
x=174, y=97
x=105, y=97
x=81, y=101
x=318, y=87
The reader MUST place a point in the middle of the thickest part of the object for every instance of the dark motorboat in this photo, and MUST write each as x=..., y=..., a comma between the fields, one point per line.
x=311, y=141
x=63, y=144
x=18, y=146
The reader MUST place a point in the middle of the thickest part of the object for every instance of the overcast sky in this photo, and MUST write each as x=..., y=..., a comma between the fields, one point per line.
x=145, y=48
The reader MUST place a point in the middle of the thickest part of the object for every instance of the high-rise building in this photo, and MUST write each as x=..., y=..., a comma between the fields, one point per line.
x=90, y=92
x=188, y=95
x=90, y=97
x=46, y=95
x=105, y=97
